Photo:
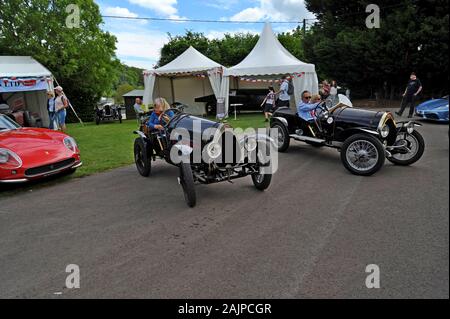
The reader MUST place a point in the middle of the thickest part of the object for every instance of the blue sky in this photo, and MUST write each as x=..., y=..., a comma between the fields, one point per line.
x=139, y=42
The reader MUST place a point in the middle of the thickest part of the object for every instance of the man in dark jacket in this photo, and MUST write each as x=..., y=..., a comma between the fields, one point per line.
x=413, y=88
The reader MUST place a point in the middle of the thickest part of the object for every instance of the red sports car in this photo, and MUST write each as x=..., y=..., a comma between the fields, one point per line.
x=32, y=153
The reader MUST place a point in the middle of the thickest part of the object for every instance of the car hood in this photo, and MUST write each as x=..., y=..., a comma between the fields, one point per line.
x=36, y=147
x=357, y=117
x=17, y=140
x=432, y=104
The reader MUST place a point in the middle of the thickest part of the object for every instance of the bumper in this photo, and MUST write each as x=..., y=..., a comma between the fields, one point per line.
x=433, y=116
x=23, y=179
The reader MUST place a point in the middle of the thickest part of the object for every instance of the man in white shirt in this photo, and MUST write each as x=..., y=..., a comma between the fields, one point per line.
x=284, y=97
x=138, y=106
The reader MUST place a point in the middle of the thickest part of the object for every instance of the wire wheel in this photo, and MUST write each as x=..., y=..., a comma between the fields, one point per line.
x=362, y=155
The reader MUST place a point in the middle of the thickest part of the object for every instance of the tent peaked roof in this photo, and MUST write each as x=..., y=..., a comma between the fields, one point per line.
x=190, y=60
x=269, y=57
x=21, y=66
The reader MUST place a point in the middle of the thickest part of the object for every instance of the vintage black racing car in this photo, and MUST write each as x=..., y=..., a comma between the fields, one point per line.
x=364, y=138
x=205, y=151
x=107, y=112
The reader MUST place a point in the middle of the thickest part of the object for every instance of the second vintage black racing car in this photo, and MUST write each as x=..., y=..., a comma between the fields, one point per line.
x=205, y=151
x=364, y=138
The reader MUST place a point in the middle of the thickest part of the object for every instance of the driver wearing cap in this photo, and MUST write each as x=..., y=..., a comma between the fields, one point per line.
x=161, y=114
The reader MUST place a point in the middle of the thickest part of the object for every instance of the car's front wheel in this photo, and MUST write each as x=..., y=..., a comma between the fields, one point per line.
x=141, y=158
x=261, y=181
x=362, y=154
x=282, y=138
x=187, y=183
x=415, y=148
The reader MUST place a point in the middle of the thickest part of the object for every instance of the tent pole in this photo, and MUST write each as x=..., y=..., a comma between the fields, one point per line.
x=172, y=89
x=70, y=104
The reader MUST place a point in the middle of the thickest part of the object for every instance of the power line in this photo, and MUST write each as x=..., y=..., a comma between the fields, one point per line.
x=200, y=20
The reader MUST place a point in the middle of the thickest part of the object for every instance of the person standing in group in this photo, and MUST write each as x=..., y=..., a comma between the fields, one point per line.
x=61, y=104
x=284, y=98
x=51, y=110
x=333, y=92
x=413, y=88
x=138, y=106
x=325, y=89
x=269, y=103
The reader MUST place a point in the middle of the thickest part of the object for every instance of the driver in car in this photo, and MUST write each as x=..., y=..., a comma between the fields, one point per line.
x=305, y=109
x=161, y=114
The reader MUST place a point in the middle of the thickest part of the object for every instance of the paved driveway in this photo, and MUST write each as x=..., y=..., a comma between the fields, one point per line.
x=310, y=235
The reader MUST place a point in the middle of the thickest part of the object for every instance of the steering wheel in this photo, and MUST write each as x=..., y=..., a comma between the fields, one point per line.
x=165, y=118
x=321, y=109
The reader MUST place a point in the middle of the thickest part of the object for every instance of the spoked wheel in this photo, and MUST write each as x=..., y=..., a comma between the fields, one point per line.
x=413, y=150
x=261, y=181
x=142, y=159
x=282, y=140
x=187, y=183
x=362, y=154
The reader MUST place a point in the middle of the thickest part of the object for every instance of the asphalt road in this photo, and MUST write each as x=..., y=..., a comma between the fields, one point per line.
x=311, y=235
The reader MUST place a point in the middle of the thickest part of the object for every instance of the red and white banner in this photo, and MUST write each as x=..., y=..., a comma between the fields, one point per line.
x=22, y=84
x=289, y=77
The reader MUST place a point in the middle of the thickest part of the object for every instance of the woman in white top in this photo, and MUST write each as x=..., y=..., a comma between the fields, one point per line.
x=61, y=103
x=269, y=103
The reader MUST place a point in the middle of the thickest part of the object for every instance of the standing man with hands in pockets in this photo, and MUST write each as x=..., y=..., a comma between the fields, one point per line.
x=413, y=88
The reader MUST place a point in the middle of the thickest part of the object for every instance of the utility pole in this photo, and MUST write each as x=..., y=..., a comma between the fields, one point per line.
x=304, y=28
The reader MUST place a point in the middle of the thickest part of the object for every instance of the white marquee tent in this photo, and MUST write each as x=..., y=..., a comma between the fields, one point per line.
x=270, y=58
x=24, y=83
x=184, y=79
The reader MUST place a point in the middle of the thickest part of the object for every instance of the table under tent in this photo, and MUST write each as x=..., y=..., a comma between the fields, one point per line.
x=266, y=64
x=24, y=83
x=188, y=76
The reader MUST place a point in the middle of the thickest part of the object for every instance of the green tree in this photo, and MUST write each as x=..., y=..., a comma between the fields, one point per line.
x=121, y=90
x=81, y=58
x=413, y=37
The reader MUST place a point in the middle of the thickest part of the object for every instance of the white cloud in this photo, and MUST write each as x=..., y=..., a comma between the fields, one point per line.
x=249, y=14
x=140, y=49
x=118, y=11
x=163, y=7
x=275, y=10
x=221, y=4
x=138, y=63
x=220, y=34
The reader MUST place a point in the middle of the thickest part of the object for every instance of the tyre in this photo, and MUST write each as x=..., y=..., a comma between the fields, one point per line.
x=415, y=143
x=187, y=183
x=261, y=181
x=141, y=158
x=362, y=154
x=283, y=139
